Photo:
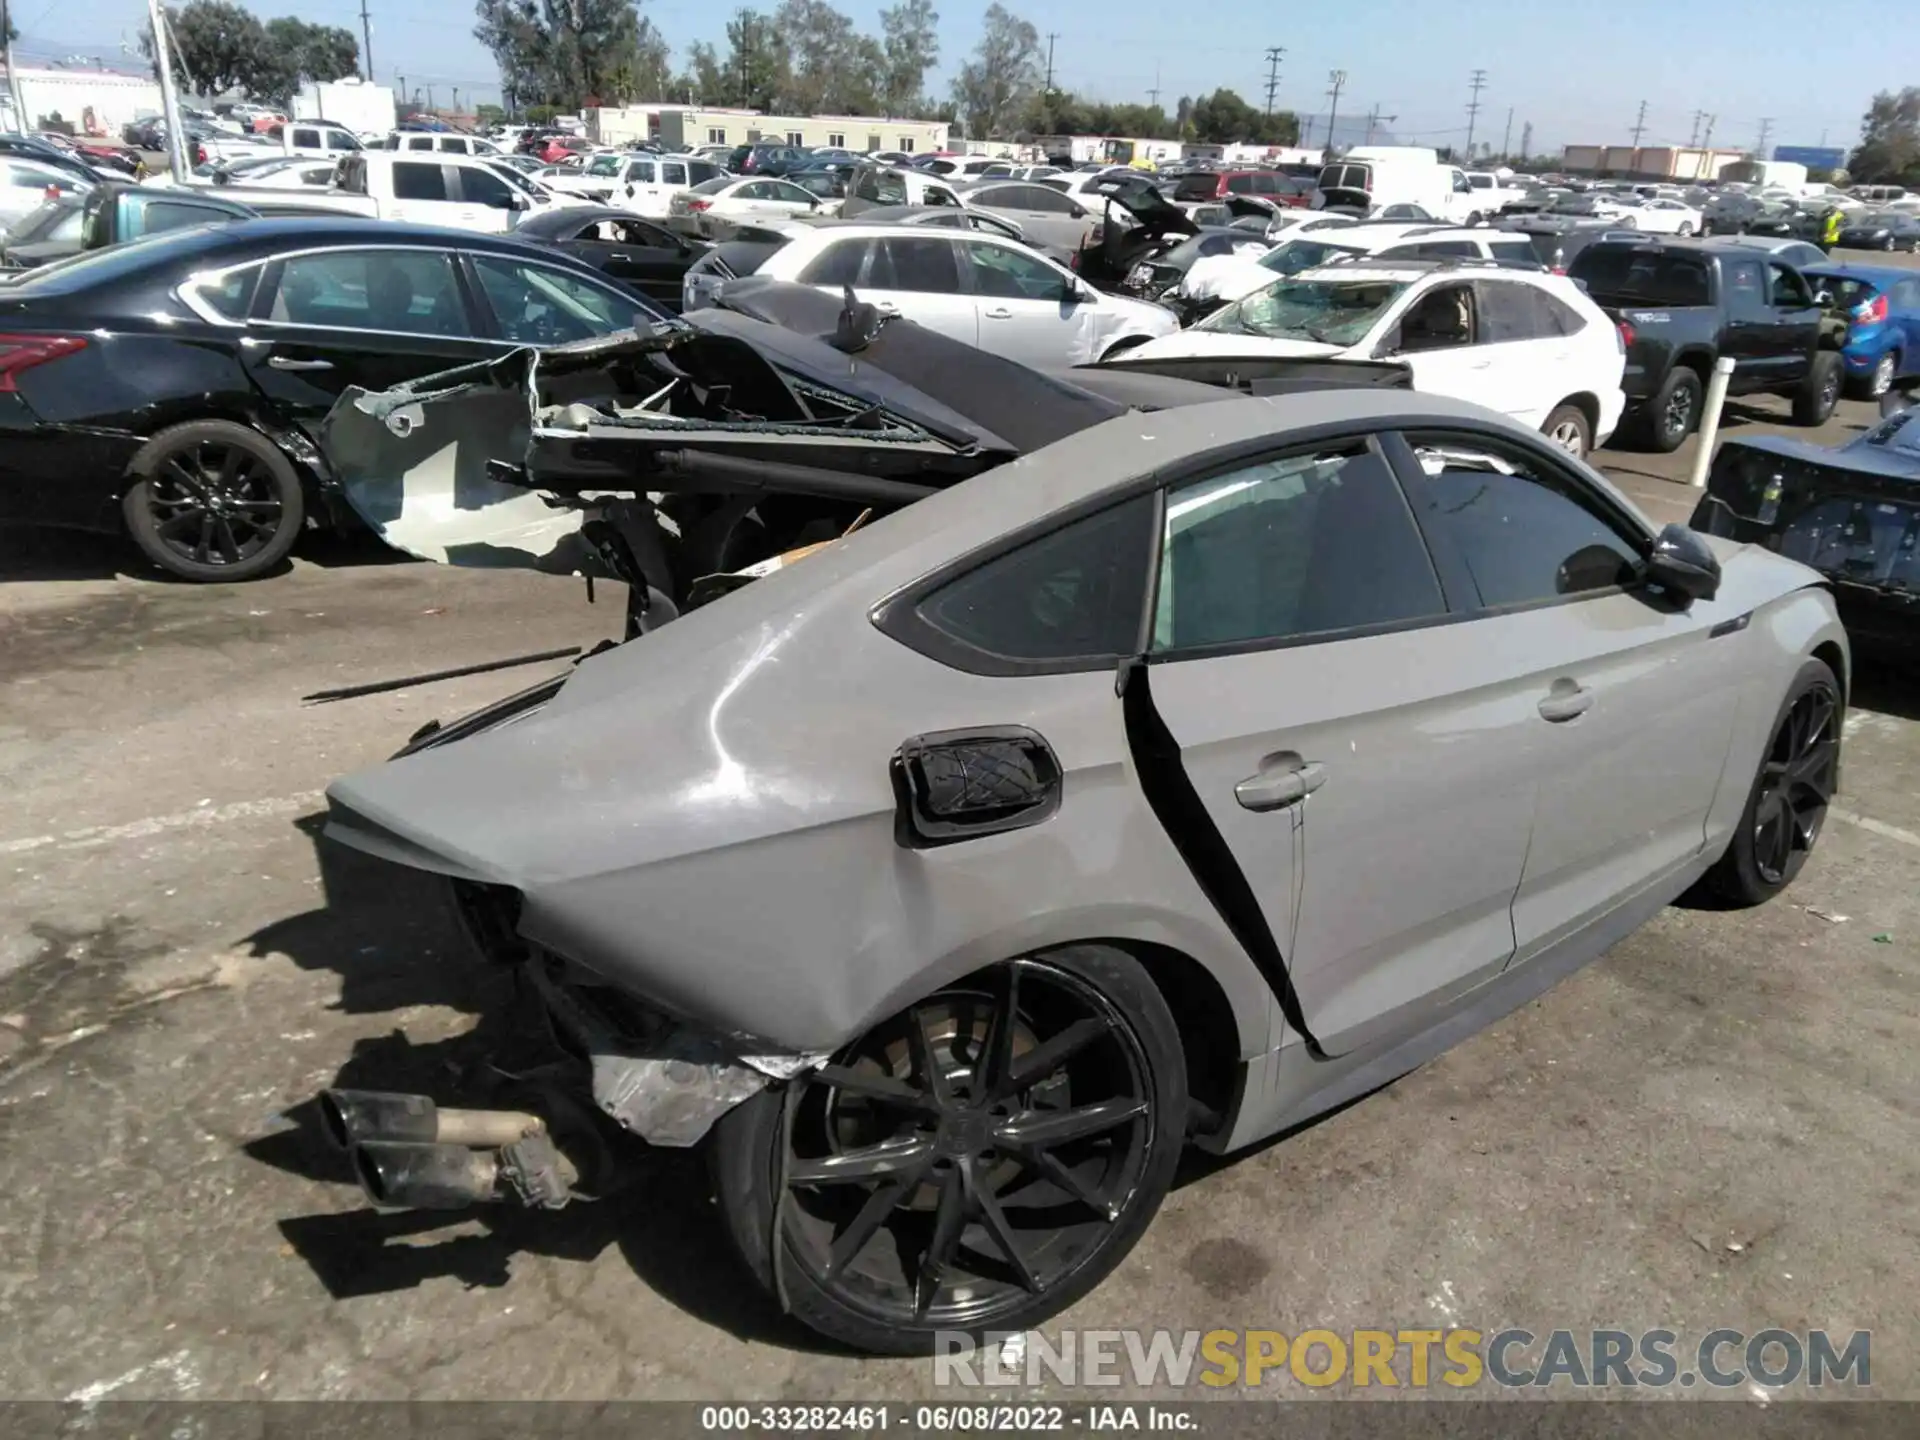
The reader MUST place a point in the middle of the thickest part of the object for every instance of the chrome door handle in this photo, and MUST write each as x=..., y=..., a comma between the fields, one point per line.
x=998, y=314
x=1563, y=705
x=1277, y=789
x=286, y=362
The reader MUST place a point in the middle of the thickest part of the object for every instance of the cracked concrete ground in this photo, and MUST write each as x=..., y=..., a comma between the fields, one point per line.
x=1711, y=1126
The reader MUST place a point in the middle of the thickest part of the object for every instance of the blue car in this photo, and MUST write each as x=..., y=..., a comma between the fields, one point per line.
x=1883, y=335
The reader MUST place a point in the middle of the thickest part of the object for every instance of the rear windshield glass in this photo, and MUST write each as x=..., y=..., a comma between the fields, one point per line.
x=715, y=185
x=1202, y=186
x=1347, y=177
x=1642, y=277
x=1847, y=290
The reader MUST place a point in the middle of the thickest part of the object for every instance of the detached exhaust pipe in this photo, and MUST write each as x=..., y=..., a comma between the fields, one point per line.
x=409, y=1154
x=359, y=1117
x=399, y=1175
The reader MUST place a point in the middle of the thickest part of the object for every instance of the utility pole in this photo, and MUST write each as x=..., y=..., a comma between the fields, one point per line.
x=366, y=36
x=1639, y=124
x=456, y=99
x=1506, y=137
x=20, y=121
x=1335, y=79
x=1479, y=83
x=1760, y=146
x=1153, y=95
x=429, y=99
x=1274, y=55
x=169, y=97
x=1052, y=35
x=1693, y=135
x=1706, y=148
x=1374, y=117
x=1526, y=140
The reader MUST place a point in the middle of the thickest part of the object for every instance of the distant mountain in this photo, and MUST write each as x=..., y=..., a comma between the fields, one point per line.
x=99, y=53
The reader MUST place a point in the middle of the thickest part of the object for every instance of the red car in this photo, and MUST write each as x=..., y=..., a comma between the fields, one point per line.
x=1267, y=185
x=559, y=149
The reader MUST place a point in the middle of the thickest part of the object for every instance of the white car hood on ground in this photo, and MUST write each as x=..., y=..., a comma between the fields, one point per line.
x=1211, y=342
x=1227, y=277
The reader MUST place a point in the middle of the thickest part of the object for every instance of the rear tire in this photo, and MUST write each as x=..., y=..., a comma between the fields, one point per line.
x=1568, y=429
x=1780, y=807
x=213, y=501
x=1668, y=418
x=1814, y=401
x=1875, y=384
x=878, y=1290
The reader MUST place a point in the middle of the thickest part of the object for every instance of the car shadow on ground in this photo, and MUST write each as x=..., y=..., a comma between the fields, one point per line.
x=392, y=937
x=34, y=553
x=1885, y=680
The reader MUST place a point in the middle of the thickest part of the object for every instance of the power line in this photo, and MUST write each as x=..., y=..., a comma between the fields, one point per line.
x=1640, y=125
x=1479, y=83
x=1335, y=79
x=1274, y=54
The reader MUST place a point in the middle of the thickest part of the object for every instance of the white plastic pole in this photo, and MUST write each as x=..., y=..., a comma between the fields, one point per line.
x=1710, y=420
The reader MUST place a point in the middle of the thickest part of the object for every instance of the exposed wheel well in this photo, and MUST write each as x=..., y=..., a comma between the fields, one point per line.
x=1829, y=653
x=1209, y=1035
x=1587, y=405
x=1699, y=362
x=1124, y=343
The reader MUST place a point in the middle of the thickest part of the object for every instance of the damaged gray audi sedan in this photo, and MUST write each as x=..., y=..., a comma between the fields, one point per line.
x=1173, y=782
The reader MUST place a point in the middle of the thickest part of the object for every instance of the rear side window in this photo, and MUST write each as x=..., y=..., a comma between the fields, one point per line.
x=1201, y=186
x=1308, y=545
x=167, y=215
x=919, y=264
x=419, y=180
x=837, y=265
x=1644, y=277
x=1070, y=599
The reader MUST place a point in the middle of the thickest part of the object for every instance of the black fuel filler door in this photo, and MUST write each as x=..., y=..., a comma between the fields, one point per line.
x=955, y=785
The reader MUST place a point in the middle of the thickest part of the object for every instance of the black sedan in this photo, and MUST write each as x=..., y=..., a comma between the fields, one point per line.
x=1882, y=230
x=640, y=254
x=170, y=388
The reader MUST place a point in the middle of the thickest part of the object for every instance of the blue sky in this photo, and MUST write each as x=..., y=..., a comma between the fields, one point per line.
x=1578, y=72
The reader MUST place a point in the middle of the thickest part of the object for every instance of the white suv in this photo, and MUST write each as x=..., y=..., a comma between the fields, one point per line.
x=1523, y=342
x=979, y=288
x=1227, y=277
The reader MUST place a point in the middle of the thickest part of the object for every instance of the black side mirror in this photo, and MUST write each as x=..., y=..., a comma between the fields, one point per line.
x=1683, y=563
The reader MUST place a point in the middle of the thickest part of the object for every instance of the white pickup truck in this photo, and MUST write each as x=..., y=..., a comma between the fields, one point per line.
x=465, y=192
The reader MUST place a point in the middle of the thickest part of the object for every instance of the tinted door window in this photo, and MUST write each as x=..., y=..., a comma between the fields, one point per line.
x=306, y=139
x=534, y=305
x=1789, y=290
x=1073, y=595
x=166, y=215
x=417, y=180
x=1508, y=312
x=1642, y=277
x=1008, y=274
x=231, y=296
x=922, y=264
x=483, y=187
x=672, y=173
x=409, y=292
x=1302, y=546
x=337, y=141
x=1523, y=532
x=1746, y=288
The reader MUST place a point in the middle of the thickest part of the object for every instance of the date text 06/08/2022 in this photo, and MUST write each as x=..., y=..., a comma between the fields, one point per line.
x=935, y=1419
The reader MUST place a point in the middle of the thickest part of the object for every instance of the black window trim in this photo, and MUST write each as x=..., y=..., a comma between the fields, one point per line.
x=897, y=615
x=1455, y=578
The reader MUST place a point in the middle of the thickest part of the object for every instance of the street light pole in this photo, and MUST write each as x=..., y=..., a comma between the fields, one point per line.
x=1335, y=79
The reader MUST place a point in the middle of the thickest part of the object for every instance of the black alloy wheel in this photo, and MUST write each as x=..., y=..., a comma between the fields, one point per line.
x=1786, y=808
x=976, y=1163
x=214, y=501
x=1797, y=782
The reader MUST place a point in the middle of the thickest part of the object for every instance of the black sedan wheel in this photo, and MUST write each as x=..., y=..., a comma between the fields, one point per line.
x=976, y=1163
x=214, y=501
x=1787, y=807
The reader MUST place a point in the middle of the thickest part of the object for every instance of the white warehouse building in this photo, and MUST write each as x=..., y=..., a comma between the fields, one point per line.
x=92, y=102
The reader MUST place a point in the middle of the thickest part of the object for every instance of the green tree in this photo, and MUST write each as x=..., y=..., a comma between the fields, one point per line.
x=217, y=46
x=996, y=86
x=1223, y=118
x=1889, y=149
x=910, y=40
x=831, y=67
x=756, y=67
x=296, y=52
x=570, y=53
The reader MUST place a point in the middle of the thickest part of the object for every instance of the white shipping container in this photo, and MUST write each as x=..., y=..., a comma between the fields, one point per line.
x=362, y=108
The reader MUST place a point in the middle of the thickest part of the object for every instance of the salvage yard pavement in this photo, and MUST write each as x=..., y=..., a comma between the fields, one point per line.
x=1710, y=1126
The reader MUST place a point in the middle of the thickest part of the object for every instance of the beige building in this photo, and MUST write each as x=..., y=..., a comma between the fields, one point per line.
x=1648, y=162
x=685, y=128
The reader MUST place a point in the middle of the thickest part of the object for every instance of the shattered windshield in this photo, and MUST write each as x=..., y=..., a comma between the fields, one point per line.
x=1329, y=312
